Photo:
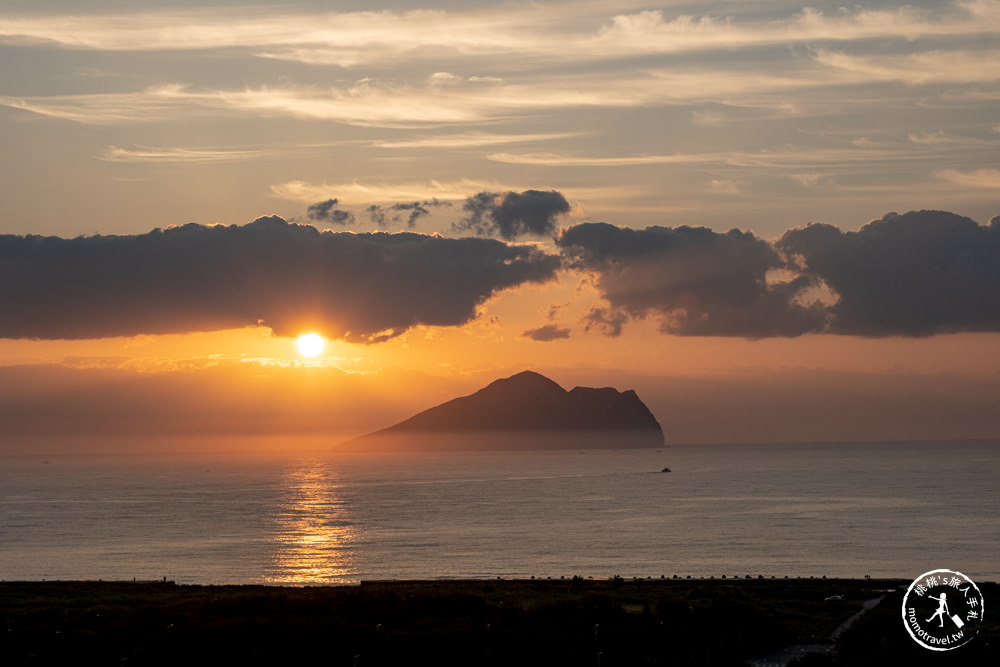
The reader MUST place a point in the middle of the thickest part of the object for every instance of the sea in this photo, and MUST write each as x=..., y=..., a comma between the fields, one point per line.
x=797, y=510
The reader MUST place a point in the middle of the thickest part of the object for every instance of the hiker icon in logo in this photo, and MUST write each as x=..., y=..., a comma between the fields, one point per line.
x=958, y=610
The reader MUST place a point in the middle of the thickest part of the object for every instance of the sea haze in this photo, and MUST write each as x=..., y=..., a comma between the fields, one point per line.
x=831, y=510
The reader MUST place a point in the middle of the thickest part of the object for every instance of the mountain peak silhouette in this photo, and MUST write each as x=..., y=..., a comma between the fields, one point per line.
x=524, y=411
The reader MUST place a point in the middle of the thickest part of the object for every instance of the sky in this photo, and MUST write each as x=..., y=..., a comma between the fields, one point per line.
x=775, y=221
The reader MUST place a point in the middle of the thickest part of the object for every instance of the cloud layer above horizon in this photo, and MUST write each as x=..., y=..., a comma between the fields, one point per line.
x=291, y=278
x=916, y=274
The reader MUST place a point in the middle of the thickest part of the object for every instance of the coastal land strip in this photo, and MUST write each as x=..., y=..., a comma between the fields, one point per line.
x=573, y=621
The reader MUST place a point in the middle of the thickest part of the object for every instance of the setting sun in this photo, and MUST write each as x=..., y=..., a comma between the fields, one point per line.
x=311, y=344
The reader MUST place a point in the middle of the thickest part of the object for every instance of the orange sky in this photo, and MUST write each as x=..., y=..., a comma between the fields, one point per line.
x=249, y=383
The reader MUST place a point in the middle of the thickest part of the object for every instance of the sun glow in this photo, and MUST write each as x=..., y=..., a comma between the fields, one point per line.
x=311, y=344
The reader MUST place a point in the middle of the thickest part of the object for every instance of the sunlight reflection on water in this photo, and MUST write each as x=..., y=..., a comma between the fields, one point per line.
x=315, y=540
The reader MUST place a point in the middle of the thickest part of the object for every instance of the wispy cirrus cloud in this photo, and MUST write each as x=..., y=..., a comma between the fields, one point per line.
x=554, y=159
x=354, y=38
x=206, y=28
x=471, y=140
x=978, y=178
x=936, y=66
x=790, y=87
x=147, y=154
x=831, y=158
x=151, y=104
x=365, y=103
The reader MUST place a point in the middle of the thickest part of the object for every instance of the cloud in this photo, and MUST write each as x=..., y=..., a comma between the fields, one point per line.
x=608, y=57
x=787, y=84
x=980, y=178
x=512, y=214
x=916, y=274
x=554, y=159
x=609, y=321
x=725, y=186
x=154, y=103
x=449, y=80
x=470, y=139
x=357, y=287
x=649, y=32
x=809, y=180
x=178, y=155
x=783, y=157
x=537, y=32
x=366, y=103
x=546, y=333
x=376, y=214
x=326, y=211
x=940, y=66
x=416, y=211
x=697, y=281
x=366, y=193
x=383, y=215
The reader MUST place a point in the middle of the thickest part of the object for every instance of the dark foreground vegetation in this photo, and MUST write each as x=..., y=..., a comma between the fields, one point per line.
x=536, y=622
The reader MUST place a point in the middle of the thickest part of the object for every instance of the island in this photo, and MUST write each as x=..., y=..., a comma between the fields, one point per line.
x=524, y=411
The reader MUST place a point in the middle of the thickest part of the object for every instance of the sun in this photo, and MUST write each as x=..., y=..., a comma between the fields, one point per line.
x=311, y=344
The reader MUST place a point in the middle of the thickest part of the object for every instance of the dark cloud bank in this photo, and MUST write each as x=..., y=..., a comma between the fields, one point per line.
x=361, y=287
x=699, y=281
x=916, y=274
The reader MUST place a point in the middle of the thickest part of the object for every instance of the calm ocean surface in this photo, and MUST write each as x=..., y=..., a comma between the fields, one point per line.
x=800, y=510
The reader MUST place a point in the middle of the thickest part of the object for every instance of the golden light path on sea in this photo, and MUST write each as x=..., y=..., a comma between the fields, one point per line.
x=314, y=536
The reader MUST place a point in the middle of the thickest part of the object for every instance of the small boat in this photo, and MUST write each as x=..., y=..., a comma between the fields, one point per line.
x=665, y=470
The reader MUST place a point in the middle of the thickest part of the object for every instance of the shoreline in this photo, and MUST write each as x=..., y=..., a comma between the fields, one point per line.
x=466, y=621
x=871, y=582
